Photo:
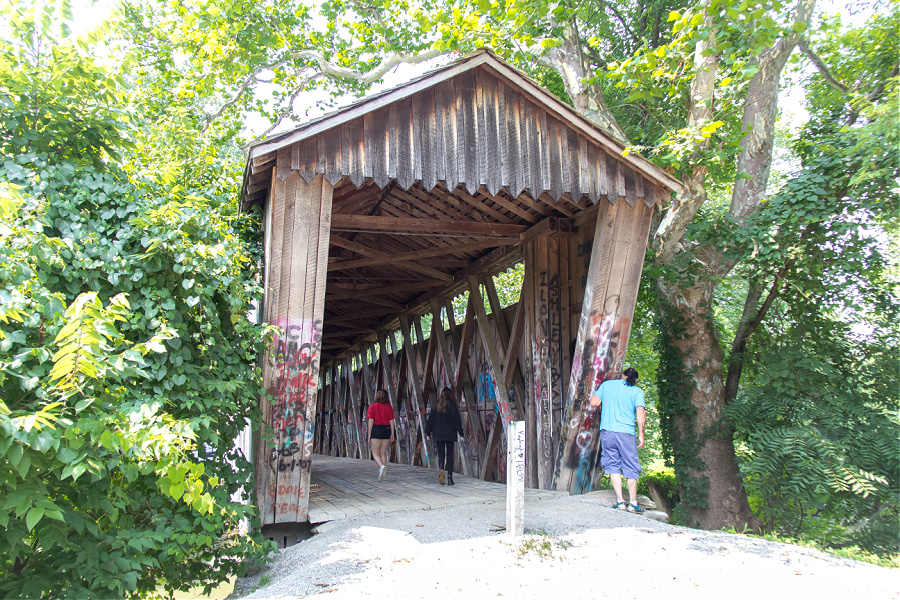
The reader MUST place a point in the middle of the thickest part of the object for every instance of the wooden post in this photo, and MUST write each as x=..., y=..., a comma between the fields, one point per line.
x=359, y=425
x=617, y=256
x=416, y=385
x=296, y=304
x=490, y=345
x=515, y=478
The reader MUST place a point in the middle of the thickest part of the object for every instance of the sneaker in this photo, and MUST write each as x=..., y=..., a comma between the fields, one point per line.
x=619, y=506
x=381, y=473
x=441, y=477
x=636, y=509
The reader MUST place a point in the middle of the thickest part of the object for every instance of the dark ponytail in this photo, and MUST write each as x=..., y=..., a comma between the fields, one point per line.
x=631, y=375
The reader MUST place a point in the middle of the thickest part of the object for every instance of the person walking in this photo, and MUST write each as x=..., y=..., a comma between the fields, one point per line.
x=381, y=430
x=620, y=401
x=446, y=425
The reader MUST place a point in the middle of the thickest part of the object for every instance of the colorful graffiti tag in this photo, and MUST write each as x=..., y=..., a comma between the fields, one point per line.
x=294, y=362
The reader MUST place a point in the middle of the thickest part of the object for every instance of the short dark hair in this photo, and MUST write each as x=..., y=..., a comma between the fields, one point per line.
x=631, y=376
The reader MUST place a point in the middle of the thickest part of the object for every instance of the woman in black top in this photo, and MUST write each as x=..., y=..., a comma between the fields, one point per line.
x=445, y=423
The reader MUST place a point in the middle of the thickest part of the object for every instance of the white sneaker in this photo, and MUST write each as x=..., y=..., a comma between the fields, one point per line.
x=381, y=473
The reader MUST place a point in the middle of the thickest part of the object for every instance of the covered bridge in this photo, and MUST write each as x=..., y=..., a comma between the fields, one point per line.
x=382, y=213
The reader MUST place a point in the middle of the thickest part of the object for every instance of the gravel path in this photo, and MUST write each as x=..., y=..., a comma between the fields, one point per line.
x=575, y=547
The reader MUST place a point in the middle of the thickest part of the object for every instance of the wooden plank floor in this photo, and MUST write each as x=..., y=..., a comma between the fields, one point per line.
x=342, y=488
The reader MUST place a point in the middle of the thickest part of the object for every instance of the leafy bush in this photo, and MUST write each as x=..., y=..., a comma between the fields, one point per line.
x=127, y=362
x=820, y=453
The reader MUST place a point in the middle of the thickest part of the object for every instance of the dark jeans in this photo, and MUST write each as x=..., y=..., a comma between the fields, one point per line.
x=442, y=449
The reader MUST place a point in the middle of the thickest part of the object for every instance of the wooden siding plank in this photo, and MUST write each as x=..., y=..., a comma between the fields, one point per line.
x=612, y=179
x=345, y=150
x=406, y=155
x=503, y=136
x=428, y=143
x=448, y=108
x=628, y=181
x=576, y=191
x=493, y=163
x=295, y=156
x=544, y=156
x=481, y=126
x=283, y=163
x=516, y=158
x=307, y=157
x=557, y=151
x=378, y=148
x=356, y=167
x=393, y=134
x=416, y=148
x=525, y=147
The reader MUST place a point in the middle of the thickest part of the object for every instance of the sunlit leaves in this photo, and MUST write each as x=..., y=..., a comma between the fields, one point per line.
x=119, y=394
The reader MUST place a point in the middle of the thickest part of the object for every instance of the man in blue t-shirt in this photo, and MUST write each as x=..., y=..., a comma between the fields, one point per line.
x=619, y=401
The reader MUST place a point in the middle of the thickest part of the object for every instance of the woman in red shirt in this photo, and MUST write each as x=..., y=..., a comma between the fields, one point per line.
x=381, y=430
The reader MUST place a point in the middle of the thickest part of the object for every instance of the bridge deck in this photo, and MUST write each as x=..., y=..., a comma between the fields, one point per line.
x=343, y=488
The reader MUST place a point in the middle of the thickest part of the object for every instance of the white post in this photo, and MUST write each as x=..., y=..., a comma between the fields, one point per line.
x=515, y=478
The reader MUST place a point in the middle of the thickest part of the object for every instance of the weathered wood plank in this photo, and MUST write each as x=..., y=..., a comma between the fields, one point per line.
x=307, y=159
x=356, y=148
x=379, y=148
x=408, y=167
x=490, y=345
x=491, y=177
x=416, y=385
x=448, y=107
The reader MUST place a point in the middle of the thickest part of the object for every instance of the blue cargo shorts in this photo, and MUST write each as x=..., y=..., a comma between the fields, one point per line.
x=619, y=454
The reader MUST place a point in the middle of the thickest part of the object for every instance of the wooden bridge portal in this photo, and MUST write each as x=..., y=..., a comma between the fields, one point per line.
x=379, y=215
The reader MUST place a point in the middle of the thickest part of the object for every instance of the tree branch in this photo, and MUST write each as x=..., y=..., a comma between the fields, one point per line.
x=820, y=65
x=618, y=15
x=365, y=77
x=288, y=109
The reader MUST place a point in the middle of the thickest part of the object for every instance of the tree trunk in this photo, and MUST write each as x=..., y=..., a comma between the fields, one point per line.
x=701, y=438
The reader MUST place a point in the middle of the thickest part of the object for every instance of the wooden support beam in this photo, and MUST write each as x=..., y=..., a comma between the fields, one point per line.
x=381, y=291
x=490, y=345
x=416, y=385
x=355, y=302
x=462, y=359
x=429, y=390
x=291, y=370
x=423, y=227
x=358, y=426
x=375, y=254
x=617, y=254
x=418, y=254
x=508, y=365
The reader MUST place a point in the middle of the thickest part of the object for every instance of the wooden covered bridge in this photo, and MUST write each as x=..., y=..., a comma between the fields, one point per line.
x=379, y=215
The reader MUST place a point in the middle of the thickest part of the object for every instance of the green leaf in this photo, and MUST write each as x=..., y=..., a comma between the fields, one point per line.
x=33, y=517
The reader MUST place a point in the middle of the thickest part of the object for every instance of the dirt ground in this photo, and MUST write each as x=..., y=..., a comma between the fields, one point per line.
x=574, y=547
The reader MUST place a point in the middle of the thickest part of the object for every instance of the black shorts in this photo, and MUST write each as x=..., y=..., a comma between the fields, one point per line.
x=381, y=432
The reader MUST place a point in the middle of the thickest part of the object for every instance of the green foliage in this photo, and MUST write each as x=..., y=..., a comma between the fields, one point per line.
x=126, y=358
x=820, y=452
